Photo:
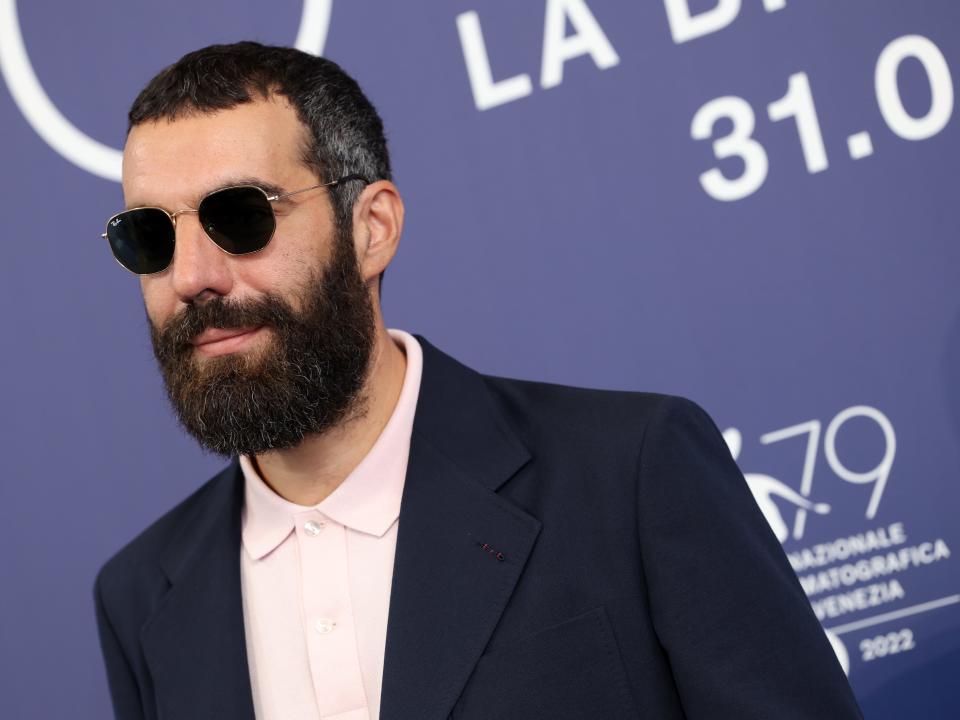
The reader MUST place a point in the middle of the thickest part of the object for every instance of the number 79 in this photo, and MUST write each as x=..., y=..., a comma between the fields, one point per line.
x=878, y=475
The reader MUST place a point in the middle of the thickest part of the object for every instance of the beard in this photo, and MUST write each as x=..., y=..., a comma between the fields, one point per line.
x=307, y=379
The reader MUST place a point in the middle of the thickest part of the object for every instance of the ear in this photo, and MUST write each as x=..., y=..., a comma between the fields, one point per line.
x=377, y=224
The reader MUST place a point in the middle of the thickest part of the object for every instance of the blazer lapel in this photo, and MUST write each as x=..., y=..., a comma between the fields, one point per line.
x=460, y=550
x=195, y=644
x=460, y=547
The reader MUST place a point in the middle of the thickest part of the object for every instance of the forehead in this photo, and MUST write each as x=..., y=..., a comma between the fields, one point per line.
x=172, y=163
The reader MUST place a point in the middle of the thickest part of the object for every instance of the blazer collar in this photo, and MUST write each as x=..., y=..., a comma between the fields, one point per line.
x=456, y=413
x=460, y=551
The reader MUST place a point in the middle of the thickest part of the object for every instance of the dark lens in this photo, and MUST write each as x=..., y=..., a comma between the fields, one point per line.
x=240, y=220
x=142, y=240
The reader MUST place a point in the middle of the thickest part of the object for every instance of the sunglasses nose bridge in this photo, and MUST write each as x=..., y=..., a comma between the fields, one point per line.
x=179, y=229
x=197, y=265
x=178, y=213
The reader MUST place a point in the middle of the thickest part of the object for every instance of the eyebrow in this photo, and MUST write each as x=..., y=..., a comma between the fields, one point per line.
x=268, y=187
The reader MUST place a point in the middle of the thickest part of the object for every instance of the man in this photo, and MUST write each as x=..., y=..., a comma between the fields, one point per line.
x=399, y=536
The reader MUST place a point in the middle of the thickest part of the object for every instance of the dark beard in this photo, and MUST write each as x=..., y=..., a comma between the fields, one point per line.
x=307, y=379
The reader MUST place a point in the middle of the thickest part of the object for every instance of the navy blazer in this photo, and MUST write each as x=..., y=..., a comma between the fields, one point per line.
x=562, y=553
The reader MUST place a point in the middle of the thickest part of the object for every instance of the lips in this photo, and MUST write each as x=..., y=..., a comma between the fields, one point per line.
x=218, y=341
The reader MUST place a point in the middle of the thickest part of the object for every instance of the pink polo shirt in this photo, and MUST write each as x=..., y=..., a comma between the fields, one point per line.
x=316, y=580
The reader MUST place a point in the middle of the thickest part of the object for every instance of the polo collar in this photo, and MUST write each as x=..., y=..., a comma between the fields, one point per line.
x=367, y=501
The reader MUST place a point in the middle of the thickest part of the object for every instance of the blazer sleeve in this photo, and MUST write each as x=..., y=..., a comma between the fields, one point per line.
x=739, y=632
x=124, y=691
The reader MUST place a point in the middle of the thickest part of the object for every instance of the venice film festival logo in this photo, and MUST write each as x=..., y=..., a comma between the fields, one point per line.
x=864, y=569
x=62, y=135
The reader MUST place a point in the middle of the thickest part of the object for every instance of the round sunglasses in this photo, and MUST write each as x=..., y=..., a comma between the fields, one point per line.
x=239, y=219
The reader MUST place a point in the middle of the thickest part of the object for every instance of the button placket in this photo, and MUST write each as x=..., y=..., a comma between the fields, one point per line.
x=327, y=615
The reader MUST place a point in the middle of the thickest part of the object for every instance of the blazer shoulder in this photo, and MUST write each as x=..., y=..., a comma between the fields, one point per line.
x=148, y=547
x=586, y=411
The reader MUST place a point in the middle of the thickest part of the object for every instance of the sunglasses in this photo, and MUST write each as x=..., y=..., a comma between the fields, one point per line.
x=239, y=219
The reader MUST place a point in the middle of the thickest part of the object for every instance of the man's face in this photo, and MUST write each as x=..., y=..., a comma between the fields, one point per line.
x=256, y=350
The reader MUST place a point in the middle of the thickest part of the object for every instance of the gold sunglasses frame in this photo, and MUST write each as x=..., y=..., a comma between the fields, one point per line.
x=173, y=215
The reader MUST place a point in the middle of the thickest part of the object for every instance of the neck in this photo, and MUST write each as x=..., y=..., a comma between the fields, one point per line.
x=309, y=472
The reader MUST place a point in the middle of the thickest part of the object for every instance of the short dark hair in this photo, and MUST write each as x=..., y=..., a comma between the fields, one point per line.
x=346, y=133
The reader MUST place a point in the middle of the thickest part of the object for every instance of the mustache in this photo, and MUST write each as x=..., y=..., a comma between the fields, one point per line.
x=175, y=336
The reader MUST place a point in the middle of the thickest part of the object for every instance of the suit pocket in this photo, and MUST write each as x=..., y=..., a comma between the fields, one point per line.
x=569, y=670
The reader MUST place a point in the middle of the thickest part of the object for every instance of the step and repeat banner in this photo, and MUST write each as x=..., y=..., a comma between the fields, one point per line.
x=752, y=203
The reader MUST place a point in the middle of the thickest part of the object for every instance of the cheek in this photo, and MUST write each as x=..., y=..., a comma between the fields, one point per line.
x=285, y=264
x=305, y=237
x=159, y=302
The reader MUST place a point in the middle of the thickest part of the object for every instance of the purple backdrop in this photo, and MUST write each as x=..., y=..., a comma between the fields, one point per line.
x=751, y=203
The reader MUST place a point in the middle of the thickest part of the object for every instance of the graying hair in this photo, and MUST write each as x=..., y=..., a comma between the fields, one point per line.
x=346, y=133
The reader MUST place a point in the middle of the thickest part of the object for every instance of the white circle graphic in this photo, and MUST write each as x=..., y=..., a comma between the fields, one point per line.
x=58, y=132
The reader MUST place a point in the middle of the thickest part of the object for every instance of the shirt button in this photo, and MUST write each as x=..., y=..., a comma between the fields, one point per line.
x=312, y=527
x=324, y=625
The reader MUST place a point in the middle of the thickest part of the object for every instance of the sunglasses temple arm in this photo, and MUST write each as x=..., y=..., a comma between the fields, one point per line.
x=332, y=183
x=348, y=178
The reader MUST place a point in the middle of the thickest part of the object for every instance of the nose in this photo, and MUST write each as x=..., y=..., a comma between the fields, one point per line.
x=199, y=267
